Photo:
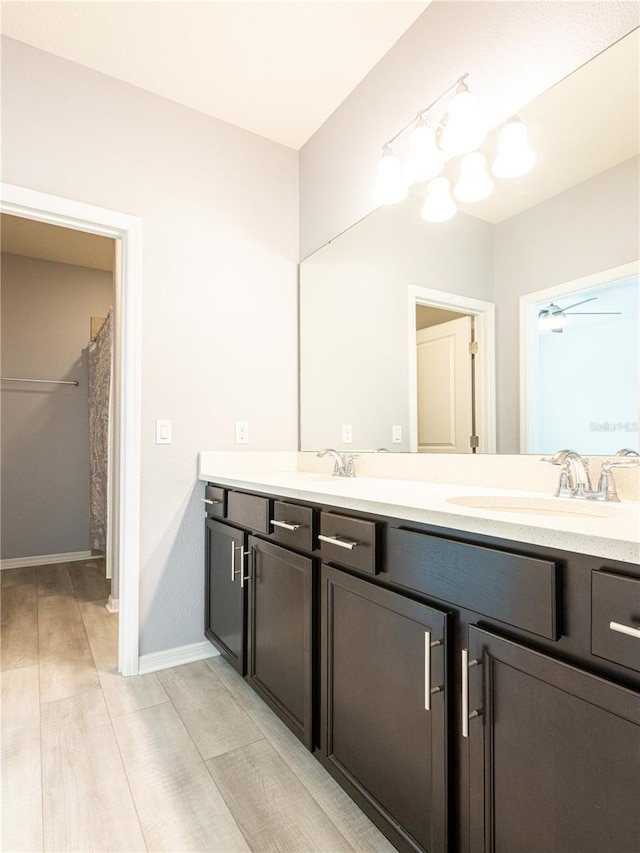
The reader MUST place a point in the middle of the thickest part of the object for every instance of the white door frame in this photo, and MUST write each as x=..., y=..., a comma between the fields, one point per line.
x=55, y=210
x=484, y=316
x=529, y=341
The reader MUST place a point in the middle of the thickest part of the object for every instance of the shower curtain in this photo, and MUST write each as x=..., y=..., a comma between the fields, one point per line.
x=99, y=393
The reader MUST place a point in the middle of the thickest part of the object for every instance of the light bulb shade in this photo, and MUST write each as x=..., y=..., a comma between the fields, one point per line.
x=474, y=182
x=552, y=319
x=462, y=127
x=424, y=160
x=438, y=204
x=463, y=105
x=390, y=186
x=515, y=156
x=459, y=136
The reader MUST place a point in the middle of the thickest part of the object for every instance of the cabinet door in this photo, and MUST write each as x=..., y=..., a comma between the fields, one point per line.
x=280, y=633
x=383, y=727
x=554, y=754
x=225, y=591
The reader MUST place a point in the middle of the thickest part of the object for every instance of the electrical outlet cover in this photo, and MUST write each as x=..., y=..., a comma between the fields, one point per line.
x=242, y=432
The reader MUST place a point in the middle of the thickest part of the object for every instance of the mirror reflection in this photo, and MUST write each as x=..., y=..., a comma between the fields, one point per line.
x=425, y=336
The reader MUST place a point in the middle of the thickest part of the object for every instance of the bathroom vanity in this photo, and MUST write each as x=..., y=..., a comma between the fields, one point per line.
x=469, y=682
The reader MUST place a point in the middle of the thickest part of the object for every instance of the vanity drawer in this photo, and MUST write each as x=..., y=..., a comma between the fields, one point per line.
x=521, y=591
x=292, y=525
x=249, y=511
x=215, y=501
x=355, y=545
x=615, y=599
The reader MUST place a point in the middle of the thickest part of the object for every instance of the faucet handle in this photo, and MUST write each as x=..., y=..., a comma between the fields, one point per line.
x=606, y=484
x=628, y=463
x=350, y=468
x=565, y=486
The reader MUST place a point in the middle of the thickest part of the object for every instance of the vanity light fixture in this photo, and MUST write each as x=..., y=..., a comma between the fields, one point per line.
x=425, y=159
x=390, y=186
x=515, y=156
x=462, y=129
x=438, y=205
x=460, y=132
x=474, y=182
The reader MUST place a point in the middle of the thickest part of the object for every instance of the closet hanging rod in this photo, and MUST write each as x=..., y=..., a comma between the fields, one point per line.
x=48, y=381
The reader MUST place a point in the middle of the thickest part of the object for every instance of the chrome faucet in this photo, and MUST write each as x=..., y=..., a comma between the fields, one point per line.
x=574, y=479
x=627, y=451
x=338, y=462
x=342, y=466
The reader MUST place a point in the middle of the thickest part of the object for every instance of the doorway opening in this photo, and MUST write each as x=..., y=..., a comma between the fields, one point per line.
x=451, y=373
x=124, y=492
x=579, y=357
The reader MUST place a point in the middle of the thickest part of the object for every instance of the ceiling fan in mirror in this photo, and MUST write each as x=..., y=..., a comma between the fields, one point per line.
x=554, y=319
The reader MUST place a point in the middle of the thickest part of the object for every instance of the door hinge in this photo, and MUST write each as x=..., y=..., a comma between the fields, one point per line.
x=473, y=347
x=474, y=441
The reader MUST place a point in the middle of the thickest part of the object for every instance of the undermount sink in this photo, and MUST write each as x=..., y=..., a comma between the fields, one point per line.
x=548, y=506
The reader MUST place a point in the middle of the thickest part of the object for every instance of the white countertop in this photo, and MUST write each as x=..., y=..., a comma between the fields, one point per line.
x=610, y=530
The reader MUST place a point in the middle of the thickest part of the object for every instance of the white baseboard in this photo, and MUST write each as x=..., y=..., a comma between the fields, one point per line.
x=44, y=560
x=176, y=657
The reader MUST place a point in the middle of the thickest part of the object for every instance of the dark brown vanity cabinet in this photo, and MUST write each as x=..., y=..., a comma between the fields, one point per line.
x=554, y=754
x=225, y=591
x=470, y=693
x=259, y=601
x=384, y=705
x=280, y=639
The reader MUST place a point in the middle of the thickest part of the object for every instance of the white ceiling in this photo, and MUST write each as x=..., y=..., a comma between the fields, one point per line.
x=278, y=69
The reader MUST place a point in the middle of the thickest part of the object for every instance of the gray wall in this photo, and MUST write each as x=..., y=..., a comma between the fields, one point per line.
x=513, y=52
x=219, y=210
x=590, y=228
x=354, y=318
x=44, y=467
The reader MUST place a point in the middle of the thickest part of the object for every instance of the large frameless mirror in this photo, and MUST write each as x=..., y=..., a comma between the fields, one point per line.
x=439, y=336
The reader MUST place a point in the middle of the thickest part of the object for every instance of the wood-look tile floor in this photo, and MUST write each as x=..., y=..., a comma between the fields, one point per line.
x=184, y=759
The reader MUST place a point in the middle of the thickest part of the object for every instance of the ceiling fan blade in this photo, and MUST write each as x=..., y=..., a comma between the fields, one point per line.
x=591, y=313
x=575, y=304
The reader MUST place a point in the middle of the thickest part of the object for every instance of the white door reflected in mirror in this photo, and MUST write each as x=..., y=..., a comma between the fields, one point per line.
x=445, y=422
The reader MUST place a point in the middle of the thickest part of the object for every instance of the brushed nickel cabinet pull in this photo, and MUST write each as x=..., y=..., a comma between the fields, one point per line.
x=207, y=501
x=333, y=540
x=466, y=716
x=428, y=689
x=249, y=554
x=285, y=525
x=625, y=629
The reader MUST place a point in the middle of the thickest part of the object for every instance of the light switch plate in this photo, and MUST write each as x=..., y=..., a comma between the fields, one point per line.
x=347, y=433
x=163, y=432
x=396, y=434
